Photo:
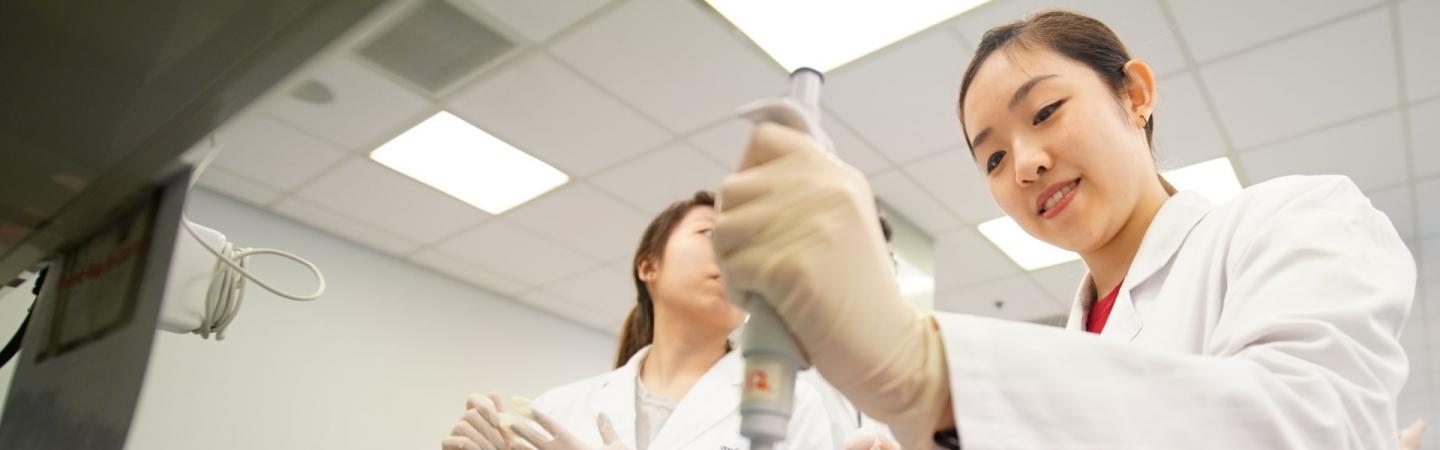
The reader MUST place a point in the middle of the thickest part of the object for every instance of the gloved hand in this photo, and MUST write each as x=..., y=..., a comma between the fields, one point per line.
x=482, y=427
x=1410, y=436
x=870, y=440
x=799, y=227
x=562, y=439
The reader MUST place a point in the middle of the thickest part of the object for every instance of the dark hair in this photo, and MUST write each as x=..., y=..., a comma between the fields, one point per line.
x=639, y=328
x=1073, y=35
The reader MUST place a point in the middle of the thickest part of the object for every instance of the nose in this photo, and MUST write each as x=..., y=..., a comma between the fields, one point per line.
x=1031, y=161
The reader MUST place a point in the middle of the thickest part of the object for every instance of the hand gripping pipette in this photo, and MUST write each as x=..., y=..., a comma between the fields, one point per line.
x=772, y=357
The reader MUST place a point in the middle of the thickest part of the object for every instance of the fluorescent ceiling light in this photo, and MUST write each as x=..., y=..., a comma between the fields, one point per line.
x=911, y=279
x=1021, y=247
x=825, y=34
x=1214, y=179
x=451, y=155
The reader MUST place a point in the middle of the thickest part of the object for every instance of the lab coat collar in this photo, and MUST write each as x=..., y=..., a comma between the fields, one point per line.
x=714, y=397
x=1167, y=232
x=617, y=397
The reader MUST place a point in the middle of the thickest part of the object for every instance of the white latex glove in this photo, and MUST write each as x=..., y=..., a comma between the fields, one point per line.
x=562, y=439
x=798, y=226
x=484, y=426
x=870, y=440
x=1410, y=437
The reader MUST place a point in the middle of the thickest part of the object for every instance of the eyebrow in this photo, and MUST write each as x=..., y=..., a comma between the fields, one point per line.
x=1015, y=100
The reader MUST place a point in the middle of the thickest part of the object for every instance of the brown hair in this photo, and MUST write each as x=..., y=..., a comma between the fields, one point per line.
x=1073, y=35
x=639, y=328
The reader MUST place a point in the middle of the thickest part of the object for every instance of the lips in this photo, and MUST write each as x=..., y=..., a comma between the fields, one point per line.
x=1053, y=195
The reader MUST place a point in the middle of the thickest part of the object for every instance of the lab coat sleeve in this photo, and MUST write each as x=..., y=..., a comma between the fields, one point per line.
x=1304, y=353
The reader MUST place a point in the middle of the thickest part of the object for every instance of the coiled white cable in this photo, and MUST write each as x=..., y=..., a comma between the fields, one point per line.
x=227, y=284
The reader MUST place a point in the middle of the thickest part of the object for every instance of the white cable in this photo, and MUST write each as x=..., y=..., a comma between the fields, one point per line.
x=227, y=285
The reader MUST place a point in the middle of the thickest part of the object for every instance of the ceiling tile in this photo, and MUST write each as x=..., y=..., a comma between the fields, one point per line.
x=1430, y=257
x=1139, y=23
x=902, y=99
x=468, y=272
x=238, y=187
x=726, y=141
x=1018, y=298
x=529, y=103
x=585, y=219
x=654, y=181
x=537, y=21
x=1425, y=138
x=316, y=216
x=1061, y=281
x=1215, y=28
x=1395, y=203
x=1370, y=151
x=1427, y=194
x=273, y=152
x=900, y=192
x=678, y=62
x=573, y=311
x=953, y=177
x=1420, y=41
x=1185, y=132
x=609, y=289
x=964, y=258
x=1290, y=86
x=367, y=108
x=514, y=252
x=367, y=191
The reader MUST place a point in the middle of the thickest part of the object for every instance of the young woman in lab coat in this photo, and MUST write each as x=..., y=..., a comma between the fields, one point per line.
x=1266, y=322
x=677, y=383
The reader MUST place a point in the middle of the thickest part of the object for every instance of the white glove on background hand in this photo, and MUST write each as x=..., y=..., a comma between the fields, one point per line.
x=562, y=439
x=1410, y=436
x=799, y=227
x=870, y=440
x=482, y=427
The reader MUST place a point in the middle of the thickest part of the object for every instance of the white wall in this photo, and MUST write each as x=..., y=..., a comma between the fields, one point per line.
x=383, y=361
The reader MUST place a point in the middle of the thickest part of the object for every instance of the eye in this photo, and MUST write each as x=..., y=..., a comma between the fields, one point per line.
x=1047, y=111
x=708, y=232
x=994, y=161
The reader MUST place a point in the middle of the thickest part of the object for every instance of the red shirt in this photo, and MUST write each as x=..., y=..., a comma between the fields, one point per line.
x=1100, y=311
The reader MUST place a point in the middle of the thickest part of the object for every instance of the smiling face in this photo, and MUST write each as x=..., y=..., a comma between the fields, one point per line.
x=1063, y=153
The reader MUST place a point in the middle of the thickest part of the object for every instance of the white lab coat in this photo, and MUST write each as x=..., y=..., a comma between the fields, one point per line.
x=1269, y=322
x=708, y=418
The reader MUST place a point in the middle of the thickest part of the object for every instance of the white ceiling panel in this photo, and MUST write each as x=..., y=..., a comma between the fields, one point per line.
x=367, y=191
x=468, y=272
x=900, y=192
x=238, y=186
x=367, y=108
x=1425, y=138
x=1420, y=41
x=1395, y=203
x=1296, y=85
x=1185, y=132
x=608, y=289
x=278, y=154
x=654, y=181
x=1061, y=281
x=953, y=177
x=546, y=110
x=316, y=216
x=675, y=60
x=514, y=252
x=574, y=311
x=1370, y=151
x=902, y=99
x=1430, y=256
x=1139, y=23
x=1428, y=195
x=1013, y=298
x=537, y=21
x=585, y=219
x=726, y=141
x=964, y=258
x=1216, y=28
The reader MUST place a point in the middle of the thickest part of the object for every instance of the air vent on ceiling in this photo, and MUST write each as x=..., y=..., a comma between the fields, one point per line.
x=435, y=45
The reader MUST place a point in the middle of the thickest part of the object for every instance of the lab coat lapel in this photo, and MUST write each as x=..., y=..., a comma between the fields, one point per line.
x=713, y=398
x=617, y=397
x=1167, y=232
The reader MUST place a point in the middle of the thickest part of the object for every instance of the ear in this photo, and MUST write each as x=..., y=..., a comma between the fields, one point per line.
x=646, y=270
x=1140, y=90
